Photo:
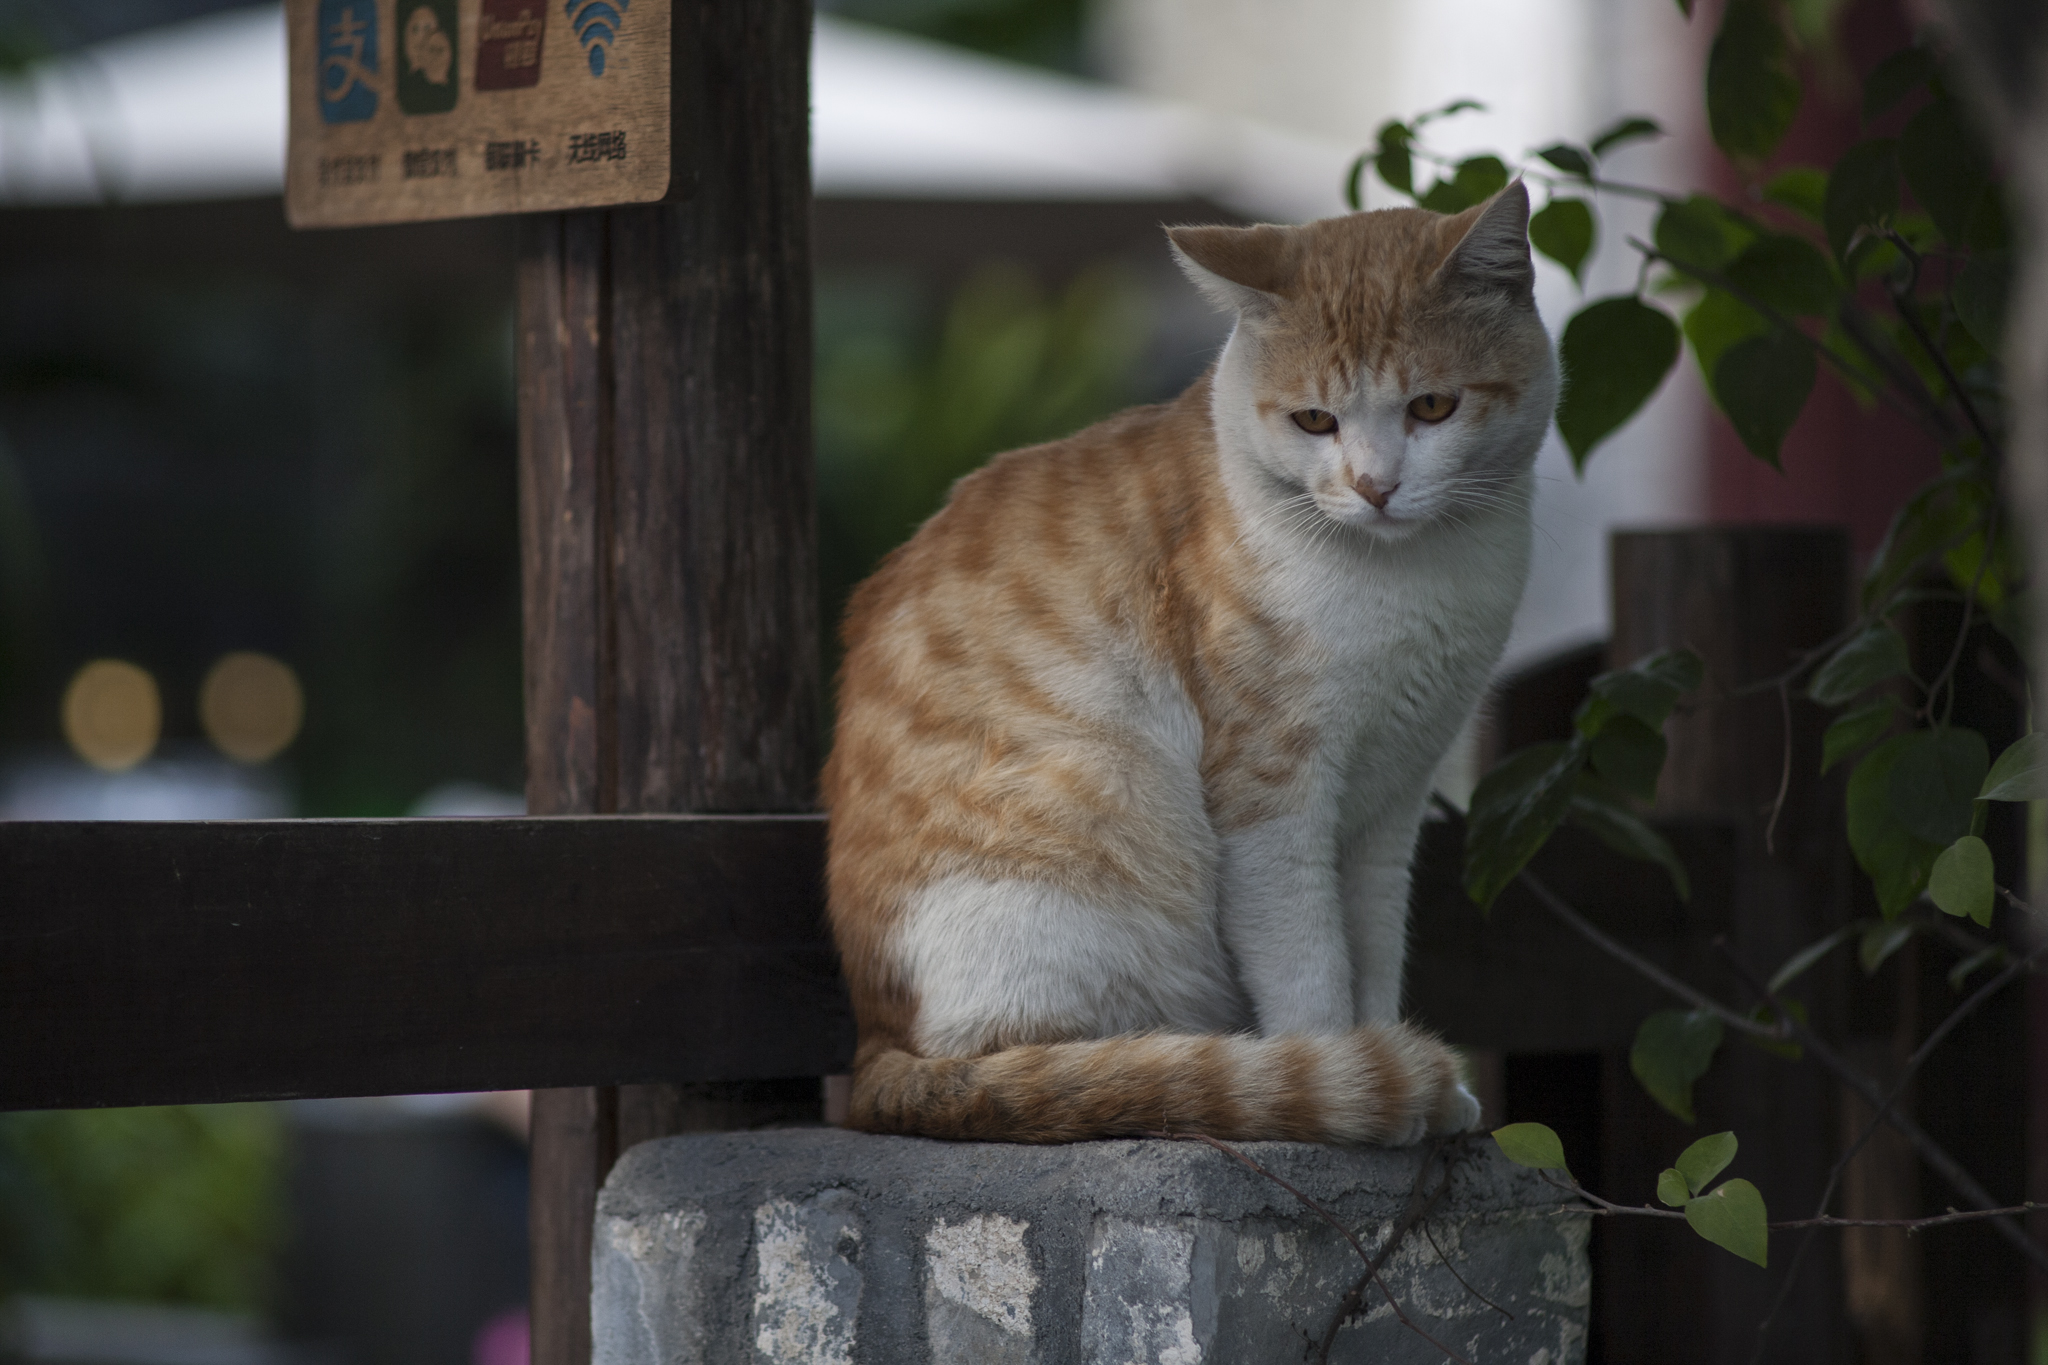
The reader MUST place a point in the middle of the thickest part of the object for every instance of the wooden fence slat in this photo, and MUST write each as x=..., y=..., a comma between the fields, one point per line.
x=188, y=962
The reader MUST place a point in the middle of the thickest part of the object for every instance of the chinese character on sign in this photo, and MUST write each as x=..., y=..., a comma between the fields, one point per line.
x=427, y=163
x=508, y=34
x=348, y=60
x=348, y=170
x=426, y=65
x=586, y=148
x=511, y=156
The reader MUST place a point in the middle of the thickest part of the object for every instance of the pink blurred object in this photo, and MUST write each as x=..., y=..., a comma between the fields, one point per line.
x=506, y=1339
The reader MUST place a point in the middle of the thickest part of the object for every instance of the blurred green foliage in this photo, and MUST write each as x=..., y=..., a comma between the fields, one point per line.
x=1043, y=32
x=907, y=403
x=171, y=1205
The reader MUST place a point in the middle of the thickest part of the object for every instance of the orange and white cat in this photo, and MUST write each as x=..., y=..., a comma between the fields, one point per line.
x=1136, y=734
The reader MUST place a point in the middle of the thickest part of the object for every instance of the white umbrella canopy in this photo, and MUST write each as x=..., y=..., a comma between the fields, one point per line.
x=196, y=110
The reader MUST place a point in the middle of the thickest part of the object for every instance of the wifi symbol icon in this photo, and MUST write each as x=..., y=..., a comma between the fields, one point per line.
x=596, y=23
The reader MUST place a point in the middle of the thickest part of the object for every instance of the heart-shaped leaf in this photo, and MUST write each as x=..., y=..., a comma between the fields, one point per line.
x=1531, y=1144
x=1705, y=1159
x=2021, y=772
x=1673, y=1049
x=1752, y=90
x=1633, y=129
x=1869, y=658
x=1671, y=1188
x=1515, y=809
x=1563, y=231
x=1963, y=883
x=1615, y=353
x=1569, y=159
x=1762, y=383
x=1733, y=1218
x=1787, y=273
x=1892, y=856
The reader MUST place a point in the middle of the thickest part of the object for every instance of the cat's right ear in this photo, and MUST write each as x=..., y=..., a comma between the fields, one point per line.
x=1239, y=269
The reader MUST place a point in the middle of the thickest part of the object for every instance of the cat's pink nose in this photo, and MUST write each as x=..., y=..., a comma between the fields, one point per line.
x=1373, y=493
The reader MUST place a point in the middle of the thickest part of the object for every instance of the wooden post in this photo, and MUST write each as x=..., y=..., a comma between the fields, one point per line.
x=668, y=540
x=1747, y=600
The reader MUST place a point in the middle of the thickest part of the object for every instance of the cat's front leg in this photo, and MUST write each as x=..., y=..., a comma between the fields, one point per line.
x=1373, y=881
x=1282, y=923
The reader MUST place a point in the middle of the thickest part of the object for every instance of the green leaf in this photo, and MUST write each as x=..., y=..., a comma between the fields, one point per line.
x=1796, y=965
x=1563, y=231
x=1895, y=859
x=1975, y=962
x=1622, y=830
x=1457, y=106
x=1752, y=90
x=1630, y=754
x=1854, y=729
x=1733, y=1218
x=1762, y=384
x=1647, y=690
x=1894, y=78
x=1877, y=653
x=1531, y=1144
x=1980, y=295
x=1963, y=883
x=1946, y=167
x=1632, y=129
x=1671, y=1187
x=1881, y=940
x=1863, y=191
x=1935, y=519
x=1393, y=163
x=1615, y=353
x=1514, y=811
x=1569, y=159
x=1354, y=193
x=2021, y=772
x=1705, y=1159
x=1699, y=233
x=1803, y=189
x=1787, y=273
x=1673, y=1049
x=1935, y=778
x=1718, y=321
x=1476, y=180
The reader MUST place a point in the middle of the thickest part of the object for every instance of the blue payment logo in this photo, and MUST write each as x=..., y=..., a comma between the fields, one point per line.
x=348, y=60
x=596, y=24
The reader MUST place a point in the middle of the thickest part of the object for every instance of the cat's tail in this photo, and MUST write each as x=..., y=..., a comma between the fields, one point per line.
x=1387, y=1085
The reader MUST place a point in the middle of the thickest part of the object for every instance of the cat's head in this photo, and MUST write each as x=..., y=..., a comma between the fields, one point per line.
x=1389, y=366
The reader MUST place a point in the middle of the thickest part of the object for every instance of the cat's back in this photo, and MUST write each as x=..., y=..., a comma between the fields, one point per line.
x=1051, y=542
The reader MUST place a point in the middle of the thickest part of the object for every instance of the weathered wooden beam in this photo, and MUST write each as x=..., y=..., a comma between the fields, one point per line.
x=152, y=963
x=192, y=962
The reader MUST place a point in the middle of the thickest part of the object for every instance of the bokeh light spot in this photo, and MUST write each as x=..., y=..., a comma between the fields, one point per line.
x=112, y=714
x=251, y=706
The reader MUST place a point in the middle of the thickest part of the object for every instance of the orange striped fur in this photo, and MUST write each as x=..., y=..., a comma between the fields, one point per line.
x=1135, y=734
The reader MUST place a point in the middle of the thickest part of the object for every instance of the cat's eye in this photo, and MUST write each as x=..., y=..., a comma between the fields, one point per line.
x=1315, y=421
x=1433, y=407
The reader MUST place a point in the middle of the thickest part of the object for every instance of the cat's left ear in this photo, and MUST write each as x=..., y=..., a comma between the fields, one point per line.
x=1240, y=269
x=1493, y=253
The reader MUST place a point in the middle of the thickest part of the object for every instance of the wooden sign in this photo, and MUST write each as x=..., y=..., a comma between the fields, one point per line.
x=404, y=110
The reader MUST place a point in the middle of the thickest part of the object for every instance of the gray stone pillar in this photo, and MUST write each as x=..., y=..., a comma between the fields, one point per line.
x=822, y=1247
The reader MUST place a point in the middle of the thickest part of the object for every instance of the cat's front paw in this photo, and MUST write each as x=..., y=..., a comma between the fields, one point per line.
x=1457, y=1111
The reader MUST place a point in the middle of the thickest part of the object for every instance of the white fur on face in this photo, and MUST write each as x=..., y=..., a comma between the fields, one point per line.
x=1435, y=470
